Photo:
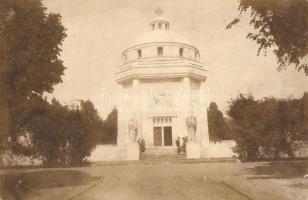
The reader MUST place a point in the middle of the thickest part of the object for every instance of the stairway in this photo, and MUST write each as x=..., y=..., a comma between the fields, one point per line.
x=160, y=155
x=160, y=151
x=168, y=155
x=164, y=155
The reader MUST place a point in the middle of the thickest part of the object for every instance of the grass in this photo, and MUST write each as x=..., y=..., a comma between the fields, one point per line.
x=15, y=185
x=280, y=170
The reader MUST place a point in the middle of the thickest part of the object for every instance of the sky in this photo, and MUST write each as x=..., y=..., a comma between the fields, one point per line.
x=98, y=31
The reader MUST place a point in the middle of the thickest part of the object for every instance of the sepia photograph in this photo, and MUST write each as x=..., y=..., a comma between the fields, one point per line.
x=153, y=99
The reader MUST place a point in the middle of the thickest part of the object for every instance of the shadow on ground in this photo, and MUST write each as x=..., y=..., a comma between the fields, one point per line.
x=300, y=185
x=279, y=170
x=14, y=186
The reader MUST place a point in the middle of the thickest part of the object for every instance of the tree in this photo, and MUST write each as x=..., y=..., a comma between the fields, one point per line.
x=217, y=126
x=89, y=132
x=292, y=126
x=63, y=135
x=281, y=25
x=30, y=41
x=267, y=127
x=244, y=124
x=305, y=113
x=111, y=127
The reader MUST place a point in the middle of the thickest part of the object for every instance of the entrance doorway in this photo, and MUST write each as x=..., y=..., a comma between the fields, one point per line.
x=162, y=131
x=162, y=136
x=157, y=136
x=168, y=136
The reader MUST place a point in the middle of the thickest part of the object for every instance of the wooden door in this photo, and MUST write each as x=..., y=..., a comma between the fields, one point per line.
x=157, y=136
x=168, y=136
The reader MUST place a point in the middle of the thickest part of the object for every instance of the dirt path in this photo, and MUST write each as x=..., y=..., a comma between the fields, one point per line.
x=160, y=180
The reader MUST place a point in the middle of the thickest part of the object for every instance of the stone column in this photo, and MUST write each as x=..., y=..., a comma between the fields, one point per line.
x=193, y=144
x=137, y=107
x=132, y=147
x=185, y=106
x=203, y=125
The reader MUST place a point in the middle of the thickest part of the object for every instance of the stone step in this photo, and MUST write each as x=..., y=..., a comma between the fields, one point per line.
x=161, y=160
x=160, y=157
x=161, y=151
x=184, y=161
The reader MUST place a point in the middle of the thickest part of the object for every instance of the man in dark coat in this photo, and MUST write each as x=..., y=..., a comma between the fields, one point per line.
x=178, y=144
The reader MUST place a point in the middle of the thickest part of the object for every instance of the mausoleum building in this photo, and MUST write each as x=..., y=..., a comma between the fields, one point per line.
x=162, y=91
x=162, y=95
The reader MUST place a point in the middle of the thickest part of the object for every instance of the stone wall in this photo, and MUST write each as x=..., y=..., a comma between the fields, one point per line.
x=8, y=159
x=105, y=153
x=222, y=149
x=303, y=151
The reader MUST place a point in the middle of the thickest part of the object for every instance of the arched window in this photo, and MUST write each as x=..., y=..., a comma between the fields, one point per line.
x=159, y=25
x=153, y=26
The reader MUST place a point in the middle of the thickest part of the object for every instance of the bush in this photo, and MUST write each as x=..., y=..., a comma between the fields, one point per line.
x=61, y=135
x=110, y=128
x=263, y=129
x=218, y=128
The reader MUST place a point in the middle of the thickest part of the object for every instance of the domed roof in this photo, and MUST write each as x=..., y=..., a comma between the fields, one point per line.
x=159, y=18
x=160, y=35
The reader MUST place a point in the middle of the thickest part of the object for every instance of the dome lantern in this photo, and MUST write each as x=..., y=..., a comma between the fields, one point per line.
x=159, y=22
x=160, y=42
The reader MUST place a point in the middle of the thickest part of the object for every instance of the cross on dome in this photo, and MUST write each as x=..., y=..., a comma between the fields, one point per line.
x=159, y=11
x=159, y=23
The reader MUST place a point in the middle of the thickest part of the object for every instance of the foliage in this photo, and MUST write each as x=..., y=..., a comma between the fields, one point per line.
x=61, y=135
x=281, y=25
x=30, y=41
x=244, y=125
x=111, y=127
x=305, y=108
x=218, y=128
x=266, y=128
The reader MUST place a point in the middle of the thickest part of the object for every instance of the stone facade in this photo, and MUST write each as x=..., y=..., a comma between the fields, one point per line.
x=162, y=96
x=161, y=88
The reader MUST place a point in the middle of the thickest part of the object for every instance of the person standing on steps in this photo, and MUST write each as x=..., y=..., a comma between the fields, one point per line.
x=139, y=144
x=142, y=145
x=183, y=146
x=178, y=144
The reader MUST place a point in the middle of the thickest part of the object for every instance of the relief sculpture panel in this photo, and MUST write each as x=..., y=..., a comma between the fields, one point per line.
x=160, y=98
